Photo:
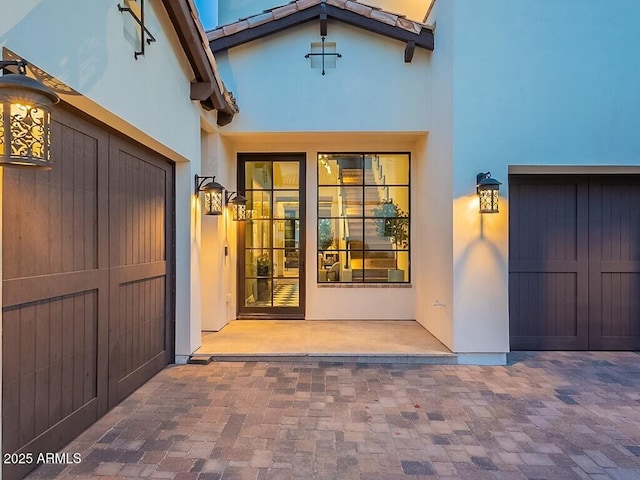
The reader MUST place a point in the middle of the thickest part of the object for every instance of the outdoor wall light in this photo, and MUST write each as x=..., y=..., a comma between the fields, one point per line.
x=212, y=200
x=488, y=190
x=25, y=119
x=238, y=206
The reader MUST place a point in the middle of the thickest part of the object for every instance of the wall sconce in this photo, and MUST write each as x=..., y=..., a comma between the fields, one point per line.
x=488, y=190
x=238, y=206
x=25, y=119
x=212, y=201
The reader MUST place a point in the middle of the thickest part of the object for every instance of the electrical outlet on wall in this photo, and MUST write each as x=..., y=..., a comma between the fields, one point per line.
x=228, y=298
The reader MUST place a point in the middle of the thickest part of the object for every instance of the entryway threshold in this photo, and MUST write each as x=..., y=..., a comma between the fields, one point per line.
x=446, y=359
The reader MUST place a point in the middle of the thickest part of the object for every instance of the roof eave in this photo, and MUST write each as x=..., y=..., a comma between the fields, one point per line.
x=207, y=86
x=424, y=39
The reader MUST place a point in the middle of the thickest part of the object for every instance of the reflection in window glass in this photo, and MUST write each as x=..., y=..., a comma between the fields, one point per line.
x=363, y=217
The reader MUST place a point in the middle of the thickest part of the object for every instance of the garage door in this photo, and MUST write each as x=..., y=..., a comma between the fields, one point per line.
x=87, y=273
x=574, y=262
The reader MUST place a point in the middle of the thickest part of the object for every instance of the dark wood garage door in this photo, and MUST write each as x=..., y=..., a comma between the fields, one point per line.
x=574, y=262
x=87, y=272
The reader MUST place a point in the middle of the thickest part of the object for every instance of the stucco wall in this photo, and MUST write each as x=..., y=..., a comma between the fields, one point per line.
x=371, y=88
x=89, y=46
x=538, y=83
x=433, y=180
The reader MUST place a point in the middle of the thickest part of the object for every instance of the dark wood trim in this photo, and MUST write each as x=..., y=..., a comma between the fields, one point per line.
x=409, y=51
x=208, y=89
x=130, y=383
x=133, y=273
x=31, y=289
x=422, y=40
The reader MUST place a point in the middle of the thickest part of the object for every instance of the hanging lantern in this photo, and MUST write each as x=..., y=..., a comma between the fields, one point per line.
x=488, y=190
x=25, y=119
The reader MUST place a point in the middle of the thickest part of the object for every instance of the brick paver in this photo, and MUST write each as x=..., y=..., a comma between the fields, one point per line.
x=547, y=415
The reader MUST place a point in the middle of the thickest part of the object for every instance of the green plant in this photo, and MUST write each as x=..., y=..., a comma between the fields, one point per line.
x=393, y=223
x=263, y=264
x=325, y=234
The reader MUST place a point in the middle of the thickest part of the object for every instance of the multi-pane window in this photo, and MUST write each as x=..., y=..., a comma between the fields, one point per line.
x=363, y=217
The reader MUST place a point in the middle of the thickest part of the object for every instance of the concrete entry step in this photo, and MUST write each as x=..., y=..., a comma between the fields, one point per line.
x=450, y=359
x=372, y=341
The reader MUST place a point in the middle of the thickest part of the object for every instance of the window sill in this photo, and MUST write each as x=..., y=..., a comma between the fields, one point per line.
x=362, y=285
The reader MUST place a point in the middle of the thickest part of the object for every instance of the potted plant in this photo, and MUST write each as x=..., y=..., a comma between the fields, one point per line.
x=393, y=223
x=263, y=269
x=263, y=265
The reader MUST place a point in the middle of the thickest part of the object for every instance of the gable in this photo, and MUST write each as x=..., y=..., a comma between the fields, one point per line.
x=372, y=19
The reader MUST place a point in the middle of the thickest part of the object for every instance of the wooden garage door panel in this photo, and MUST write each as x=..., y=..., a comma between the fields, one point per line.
x=140, y=209
x=51, y=366
x=545, y=304
x=606, y=231
x=548, y=276
x=141, y=316
x=543, y=218
x=66, y=258
x=615, y=263
x=53, y=215
x=54, y=293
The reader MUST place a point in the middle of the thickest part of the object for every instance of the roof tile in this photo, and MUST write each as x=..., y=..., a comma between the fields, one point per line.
x=285, y=10
x=235, y=27
x=260, y=19
x=359, y=8
x=215, y=34
x=408, y=25
x=302, y=4
x=338, y=3
x=384, y=17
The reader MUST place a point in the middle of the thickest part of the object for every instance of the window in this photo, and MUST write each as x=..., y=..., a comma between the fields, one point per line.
x=363, y=217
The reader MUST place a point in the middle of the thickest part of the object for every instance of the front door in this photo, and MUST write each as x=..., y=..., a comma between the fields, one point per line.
x=271, y=274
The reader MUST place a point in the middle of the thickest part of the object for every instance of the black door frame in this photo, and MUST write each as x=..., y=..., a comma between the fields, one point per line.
x=273, y=312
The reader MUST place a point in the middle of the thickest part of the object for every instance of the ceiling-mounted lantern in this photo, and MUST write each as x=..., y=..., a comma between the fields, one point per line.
x=25, y=119
x=488, y=190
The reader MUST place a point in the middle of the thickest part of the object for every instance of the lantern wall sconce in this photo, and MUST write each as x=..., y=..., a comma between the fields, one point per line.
x=25, y=118
x=488, y=190
x=212, y=201
x=214, y=193
x=238, y=206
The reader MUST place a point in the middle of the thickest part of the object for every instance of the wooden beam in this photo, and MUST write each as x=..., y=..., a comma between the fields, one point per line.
x=323, y=20
x=201, y=90
x=409, y=50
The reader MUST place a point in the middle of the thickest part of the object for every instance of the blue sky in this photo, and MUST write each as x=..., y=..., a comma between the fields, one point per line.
x=208, y=14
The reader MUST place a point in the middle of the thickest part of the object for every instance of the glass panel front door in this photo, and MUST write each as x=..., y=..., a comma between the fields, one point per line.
x=271, y=274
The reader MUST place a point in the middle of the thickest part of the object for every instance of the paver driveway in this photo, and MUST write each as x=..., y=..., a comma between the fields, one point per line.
x=566, y=415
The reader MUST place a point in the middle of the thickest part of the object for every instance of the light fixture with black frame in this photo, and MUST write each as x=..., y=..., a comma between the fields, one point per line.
x=213, y=191
x=25, y=118
x=488, y=190
x=238, y=206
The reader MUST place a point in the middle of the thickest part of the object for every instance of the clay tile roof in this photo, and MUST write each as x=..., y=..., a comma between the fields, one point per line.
x=297, y=6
